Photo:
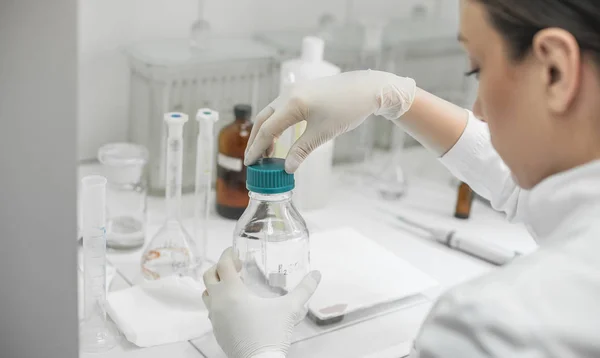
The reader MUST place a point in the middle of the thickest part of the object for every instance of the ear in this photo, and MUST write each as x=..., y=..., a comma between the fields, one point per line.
x=559, y=54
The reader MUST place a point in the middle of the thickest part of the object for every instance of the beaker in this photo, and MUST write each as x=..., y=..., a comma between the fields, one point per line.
x=271, y=238
x=391, y=182
x=172, y=250
x=97, y=332
x=123, y=165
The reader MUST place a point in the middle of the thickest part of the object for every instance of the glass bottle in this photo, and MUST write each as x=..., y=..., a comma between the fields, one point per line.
x=464, y=201
x=123, y=165
x=271, y=239
x=232, y=195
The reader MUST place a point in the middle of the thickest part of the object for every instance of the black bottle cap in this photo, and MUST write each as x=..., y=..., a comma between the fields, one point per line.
x=242, y=111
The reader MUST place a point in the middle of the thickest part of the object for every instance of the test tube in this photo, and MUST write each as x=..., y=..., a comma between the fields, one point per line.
x=97, y=332
x=206, y=118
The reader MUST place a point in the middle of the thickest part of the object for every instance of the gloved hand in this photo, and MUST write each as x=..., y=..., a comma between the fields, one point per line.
x=330, y=106
x=246, y=325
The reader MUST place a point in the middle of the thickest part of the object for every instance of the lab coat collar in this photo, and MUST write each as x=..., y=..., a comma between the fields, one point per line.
x=564, y=202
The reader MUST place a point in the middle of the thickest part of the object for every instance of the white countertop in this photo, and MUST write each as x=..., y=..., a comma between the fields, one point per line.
x=430, y=197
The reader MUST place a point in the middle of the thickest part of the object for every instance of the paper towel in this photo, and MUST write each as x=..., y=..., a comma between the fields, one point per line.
x=160, y=312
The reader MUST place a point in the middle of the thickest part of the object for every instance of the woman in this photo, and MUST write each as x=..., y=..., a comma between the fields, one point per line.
x=535, y=158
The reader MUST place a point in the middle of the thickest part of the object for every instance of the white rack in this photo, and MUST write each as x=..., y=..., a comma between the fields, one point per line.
x=170, y=76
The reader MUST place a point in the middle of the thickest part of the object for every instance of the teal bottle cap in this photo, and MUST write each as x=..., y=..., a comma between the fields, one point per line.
x=268, y=176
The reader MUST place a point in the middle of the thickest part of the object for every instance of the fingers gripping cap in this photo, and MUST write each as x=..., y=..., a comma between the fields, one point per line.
x=268, y=176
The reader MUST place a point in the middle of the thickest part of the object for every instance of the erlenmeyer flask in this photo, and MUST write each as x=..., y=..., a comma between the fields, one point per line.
x=172, y=250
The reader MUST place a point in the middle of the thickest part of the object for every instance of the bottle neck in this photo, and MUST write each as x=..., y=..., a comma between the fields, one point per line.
x=286, y=196
x=242, y=119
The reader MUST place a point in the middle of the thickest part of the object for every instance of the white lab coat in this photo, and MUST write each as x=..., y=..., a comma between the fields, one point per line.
x=546, y=304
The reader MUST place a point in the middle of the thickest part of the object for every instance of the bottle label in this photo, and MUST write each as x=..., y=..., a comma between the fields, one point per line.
x=230, y=163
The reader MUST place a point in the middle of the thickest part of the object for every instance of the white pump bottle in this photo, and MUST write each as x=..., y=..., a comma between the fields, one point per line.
x=313, y=178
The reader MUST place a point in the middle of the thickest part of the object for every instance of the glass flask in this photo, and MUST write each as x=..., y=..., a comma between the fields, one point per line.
x=271, y=239
x=172, y=251
x=391, y=182
x=126, y=194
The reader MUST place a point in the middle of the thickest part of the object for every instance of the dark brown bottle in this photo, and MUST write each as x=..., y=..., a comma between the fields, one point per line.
x=464, y=201
x=232, y=195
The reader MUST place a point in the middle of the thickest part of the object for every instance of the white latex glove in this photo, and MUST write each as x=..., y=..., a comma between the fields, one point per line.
x=246, y=325
x=330, y=106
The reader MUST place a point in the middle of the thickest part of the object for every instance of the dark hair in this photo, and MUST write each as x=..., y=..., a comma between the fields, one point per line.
x=519, y=20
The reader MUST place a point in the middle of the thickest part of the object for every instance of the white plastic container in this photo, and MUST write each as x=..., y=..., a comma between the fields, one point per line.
x=349, y=46
x=313, y=179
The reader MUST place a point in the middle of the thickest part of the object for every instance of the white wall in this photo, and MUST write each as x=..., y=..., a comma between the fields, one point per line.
x=38, y=71
x=106, y=26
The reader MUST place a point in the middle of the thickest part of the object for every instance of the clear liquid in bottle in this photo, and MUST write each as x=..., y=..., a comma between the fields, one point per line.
x=271, y=238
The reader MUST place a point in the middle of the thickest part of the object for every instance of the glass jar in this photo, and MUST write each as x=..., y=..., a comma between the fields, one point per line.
x=123, y=165
x=271, y=239
x=232, y=195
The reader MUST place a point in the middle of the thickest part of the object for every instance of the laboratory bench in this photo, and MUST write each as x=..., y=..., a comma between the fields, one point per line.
x=430, y=197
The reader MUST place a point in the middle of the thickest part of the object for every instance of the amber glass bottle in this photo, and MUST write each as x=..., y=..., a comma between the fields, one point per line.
x=232, y=195
x=464, y=201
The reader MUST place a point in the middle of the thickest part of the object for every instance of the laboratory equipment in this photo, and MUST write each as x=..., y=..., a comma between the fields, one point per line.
x=172, y=251
x=391, y=182
x=232, y=195
x=171, y=76
x=478, y=248
x=123, y=165
x=314, y=175
x=97, y=332
x=206, y=118
x=464, y=201
x=200, y=31
x=271, y=239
